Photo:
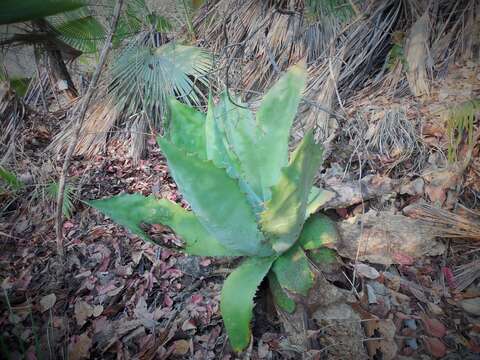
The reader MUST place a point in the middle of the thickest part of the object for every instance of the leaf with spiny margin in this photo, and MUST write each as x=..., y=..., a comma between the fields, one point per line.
x=130, y=210
x=284, y=216
x=261, y=143
x=187, y=128
x=274, y=120
x=279, y=295
x=217, y=200
x=317, y=198
x=293, y=271
x=236, y=302
x=216, y=147
x=235, y=129
x=318, y=231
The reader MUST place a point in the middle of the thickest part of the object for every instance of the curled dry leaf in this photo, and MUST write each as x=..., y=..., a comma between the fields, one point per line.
x=181, y=347
x=47, y=302
x=79, y=348
x=83, y=311
x=367, y=271
x=434, y=346
x=434, y=327
x=97, y=310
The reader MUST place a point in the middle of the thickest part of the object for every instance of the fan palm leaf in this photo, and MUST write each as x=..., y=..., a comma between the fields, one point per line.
x=83, y=32
x=144, y=76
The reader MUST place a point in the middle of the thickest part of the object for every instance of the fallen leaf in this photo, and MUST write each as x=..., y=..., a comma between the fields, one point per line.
x=434, y=327
x=97, y=310
x=142, y=314
x=471, y=306
x=47, y=302
x=188, y=325
x=83, y=311
x=435, y=347
x=181, y=347
x=79, y=348
x=367, y=271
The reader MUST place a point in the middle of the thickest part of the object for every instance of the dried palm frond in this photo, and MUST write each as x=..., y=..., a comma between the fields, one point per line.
x=12, y=113
x=466, y=274
x=464, y=223
x=455, y=32
x=417, y=56
x=257, y=40
x=388, y=140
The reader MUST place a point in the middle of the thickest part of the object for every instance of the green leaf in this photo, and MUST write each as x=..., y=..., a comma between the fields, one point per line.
x=10, y=179
x=262, y=144
x=217, y=200
x=318, y=231
x=279, y=295
x=130, y=210
x=317, y=198
x=293, y=272
x=187, y=128
x=285, y=212
x=236, y=128
x=144, y=76
x=236, y=303
x=67, y=206
x=159, y=23
x=13, y=11
x=85, y=33
x=216, y=146
x=322, y=255
x=20, y=85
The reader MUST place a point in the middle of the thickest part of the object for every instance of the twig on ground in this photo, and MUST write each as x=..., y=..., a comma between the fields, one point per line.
x=78, y=125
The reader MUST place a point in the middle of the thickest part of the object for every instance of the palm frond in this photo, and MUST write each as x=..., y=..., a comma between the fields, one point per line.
x=67, y=206
x=144, y=76
x=341, y=9
x=460, y=122
x=85, y=33
x=12, y=11
x=10, y=179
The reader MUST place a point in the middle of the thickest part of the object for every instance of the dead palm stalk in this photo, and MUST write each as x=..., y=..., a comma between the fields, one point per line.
x=78, y=125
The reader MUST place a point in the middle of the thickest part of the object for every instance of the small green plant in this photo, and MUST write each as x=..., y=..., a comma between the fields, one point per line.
x=397, y=52
x=10, y=179
x=460, y=127
x=247, y=197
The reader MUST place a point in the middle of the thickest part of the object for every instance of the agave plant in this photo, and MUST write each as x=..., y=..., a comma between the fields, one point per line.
x=247, y=197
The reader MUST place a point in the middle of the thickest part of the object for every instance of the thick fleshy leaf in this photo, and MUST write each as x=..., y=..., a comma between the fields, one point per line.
x=322, y=256
x=216, y=145
x=217, y=200
x=236, y=303
x=236, y=128
x=293, y=272
x=130, y=210
x=12, y=11
x=318, y=231
x=187, y=128
x=317, y=198
x=261, y=144
x=274, y=118
x=279, y=295
x=285, y=212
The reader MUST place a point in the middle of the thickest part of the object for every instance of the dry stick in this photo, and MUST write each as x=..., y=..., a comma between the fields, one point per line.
x=78, y=125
